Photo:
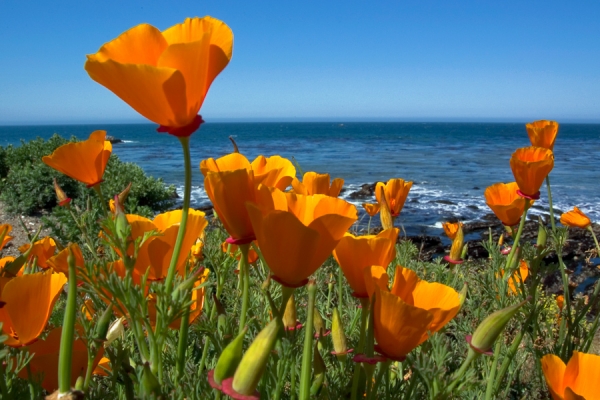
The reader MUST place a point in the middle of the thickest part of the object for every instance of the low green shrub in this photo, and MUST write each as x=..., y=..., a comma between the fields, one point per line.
x=26, y=186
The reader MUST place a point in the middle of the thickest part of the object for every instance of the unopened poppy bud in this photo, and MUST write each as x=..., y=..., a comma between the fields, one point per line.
x=121, y=223
x=265, y=285
x=290, y=317
x=187, y=284
x=79, y=383
x=115, y=331
x=149, y=385
x=103, y=324
x=542, y=235
x=463, y=253
x=456, y=250
x=384, y=211
x=63, y=200
x=319, y=370
x=501, y=240
x=462, y=296
x=228, y=360
x=253, y=363
x=338, y=337
x=318, y=323
x=490, y=329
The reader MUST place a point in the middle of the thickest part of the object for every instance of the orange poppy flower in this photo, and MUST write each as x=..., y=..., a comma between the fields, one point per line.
x=165, y=76
x=355, y=253
x=542, y=133
x=156, y=252
x=59, y=262
x=231, y=181
x=514, y=282
x=83, y=161
x=5, y=260
x=297, y=233
x=451, y=228
x=4, y=237
x=42, y=250
x=404, y=316
x=530, y=166
x=395, y=190
x=575, y=219
x=45, y=360
x=103, y=368
x=371, y=209
x=576, y=380
x=29, y=300
x=505, y=202
x=233, y=252
x=313, y=183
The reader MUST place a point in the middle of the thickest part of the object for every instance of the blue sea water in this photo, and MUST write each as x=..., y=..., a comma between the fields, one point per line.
x=451, y=164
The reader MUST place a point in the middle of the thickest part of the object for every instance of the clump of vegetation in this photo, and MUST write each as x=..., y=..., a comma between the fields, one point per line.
x=26, y=187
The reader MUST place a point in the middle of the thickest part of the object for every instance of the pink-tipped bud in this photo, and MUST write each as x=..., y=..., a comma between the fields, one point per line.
x=490, y=329
x=61, y=196
x=228, y=360
x=290, y=317
x=338, y=337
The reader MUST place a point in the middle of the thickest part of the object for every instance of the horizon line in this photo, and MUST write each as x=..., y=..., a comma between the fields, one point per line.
x=339, y=120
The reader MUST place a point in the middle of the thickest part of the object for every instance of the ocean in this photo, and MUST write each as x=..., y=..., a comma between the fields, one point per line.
x=450, y=164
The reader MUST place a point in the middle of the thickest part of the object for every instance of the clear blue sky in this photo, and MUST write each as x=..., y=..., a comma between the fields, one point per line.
x=336, y=60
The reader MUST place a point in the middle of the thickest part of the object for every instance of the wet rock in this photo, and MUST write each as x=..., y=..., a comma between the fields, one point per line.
x=113, y=139
x=428, y=245
x=366, y=190
x=447, y=202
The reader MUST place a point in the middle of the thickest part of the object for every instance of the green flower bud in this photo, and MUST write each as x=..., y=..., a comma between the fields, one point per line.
x=338, y=337
x=103, y=324
x=149, y=385
x=490, y=329
x=542, y=235
x=229, y=358
x=318, y=372
x=318, y=323
x=462, y=296
x=253, y=364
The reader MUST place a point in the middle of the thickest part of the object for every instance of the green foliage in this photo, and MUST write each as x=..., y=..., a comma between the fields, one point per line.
x=26, y=187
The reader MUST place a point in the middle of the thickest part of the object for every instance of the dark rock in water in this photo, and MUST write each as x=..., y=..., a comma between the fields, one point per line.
x=413, y=200
x=207, y=208
x=174, y=194
x=366, y=190
x=476, y=250
x=113, y=139
x=480, y=225
x=476, y=188
x=447, y=202
x=473, y=207
x=490, y=217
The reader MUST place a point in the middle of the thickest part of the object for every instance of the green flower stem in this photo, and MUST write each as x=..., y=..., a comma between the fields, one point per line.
x=383, y=369
x=183, y=339
x=550, y=204
x=65, y=356
x=589, y=228
x=245, y=275
x=471, y=355
x=3, y=388
x=98, y=189
x=492, y=376
x=369, y=225
x=185, y=145
x=518, y=237
x=364, y=316
x=340, y=291
x=308, y=340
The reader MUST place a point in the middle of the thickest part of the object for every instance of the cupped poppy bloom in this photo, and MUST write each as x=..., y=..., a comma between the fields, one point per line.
x=355, y=253
x=42, y=250
x=530, y=166
x=451, y=229
x=231, y=181
x=514, y=282
x=575, y=219
x=371, y=209
x=574, y=381
x=297, y=233
x=165, y=76
x=395, y=191
x=29, y=300
x=43, y=365
x=406, y=315
x=156, y=252
x=505, y=202
x=314, y=183
x=542, y=133
x=4, y=237
x=83, y=161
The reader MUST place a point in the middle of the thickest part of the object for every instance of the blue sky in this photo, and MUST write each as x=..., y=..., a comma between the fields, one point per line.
x=323, y=60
